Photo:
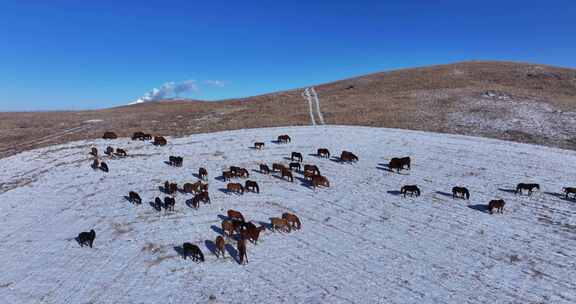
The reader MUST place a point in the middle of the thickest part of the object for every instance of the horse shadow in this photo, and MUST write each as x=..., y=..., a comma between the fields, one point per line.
x=480, y=207
x=220, y=178
x=217, y=230
x=507, y=190
x=287, y=158
x=223, y=217
x=304, y=182
x=196, y=175
x=224, y=190
x=394, y=192
x=189, y=203
x=561, y=196
x=444, y=193
x=127, y=198
x=163, y=190
x=384, y=167
x=211, y=246
x=252, y=148
x=336, y=159
x=180, y=251
x=276, y=142
x=168, y=163
x=232, y=252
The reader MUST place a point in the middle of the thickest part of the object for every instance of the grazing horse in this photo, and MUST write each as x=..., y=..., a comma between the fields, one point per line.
x=323, y=152
x=242, y=251
x=280, y=223
x=530, y=187
x=235, y=215
x=95, y=164
x=294, y=166
x=203, y=173
x=109, y=135
x=399, y=163
x=169, y=203
x=109, y=150
x=196, y=187
x=159, y=141
x=227, y=175
x=264, y=169
x=170, y=188
x=242, y=172
x=569, y=190
x=319, y=180
x=412, y=189
x=104, y=167
x=251, y=186
x=287, y=173
x=312, y=168
x=297, y=156
x=235, y=187
x=220, y=245
x=93, y=151
x=278, y=167
x=258, y=145
x=460, y=192
x=309, y=175
x=284, y=139
x=228, y=228
x=292, y=220
x=347, y=156
x=252, y=233
x=192, y=250
x=86, y=238
x=134, y=198
x=201, y=197
x=175, y=161
x=158, y=204
x=496, y=204
x=121, y=152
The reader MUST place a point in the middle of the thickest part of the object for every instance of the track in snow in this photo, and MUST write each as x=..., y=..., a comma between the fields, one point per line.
x=360, y=242
x=314, y=104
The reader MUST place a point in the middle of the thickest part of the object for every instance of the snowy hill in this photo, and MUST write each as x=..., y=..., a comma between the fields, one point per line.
x=361, y=242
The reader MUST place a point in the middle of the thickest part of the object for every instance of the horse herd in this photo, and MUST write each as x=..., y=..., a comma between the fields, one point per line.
x=235, y=226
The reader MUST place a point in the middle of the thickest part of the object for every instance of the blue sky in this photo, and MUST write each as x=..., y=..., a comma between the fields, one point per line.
x=79, y=55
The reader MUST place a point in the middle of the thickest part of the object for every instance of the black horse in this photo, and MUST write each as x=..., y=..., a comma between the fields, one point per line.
x=460, y=192
x=529, y=187
x=412, y=189
x=86, y=238
x=192, y=250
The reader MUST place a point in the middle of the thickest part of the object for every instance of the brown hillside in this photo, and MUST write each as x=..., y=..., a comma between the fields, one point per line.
x=514, y=101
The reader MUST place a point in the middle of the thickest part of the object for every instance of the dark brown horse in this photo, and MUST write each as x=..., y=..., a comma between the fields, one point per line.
x=192, y=250
x=235, y=215
x=170, y=188
x=292, y=220
x=95, y=164
x=252, y=233
x=133, y=197
x=109, y=150
x=86, y=238
x=323, y=152
x=242, y=173
x=319, y=180
x=203, y=173
x=309, y=175
x=220, y=245
x=227, y=175
x=121, y=152
x=94, y=152
x=104, y=167
x=529, y=187
x=460, y=192
x=294, y=166
x=412, y=189
x=312, y=168
x=399, y=163
x=109, y=135
x=284, y=139
x=235, y=187
x=496, y=204
x=242, y=251
x=201, y=197
x=228, y=228
x=569, y=190
x=169, y=203
x=297, y=156
x=138, y=136
x=264, y=169
x=278, y=167
x=258, y=145
x=287, y=173
x=347, y=156
x=175, y=161
x=159, y=141
x=251, y=186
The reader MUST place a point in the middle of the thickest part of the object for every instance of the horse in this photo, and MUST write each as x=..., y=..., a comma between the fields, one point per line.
x=294, y=166
x=170, y=188
x=292, y=220
x=460, y=192
x=86, y=238
x=175, y=161
x=297, y=156
x=309, y=175
x=94, y=152
x=569, y=190
x=347, y=156
x=252, y=233
x=278, y=167
x=280, y=223
x=496, y=204
x=220, y=245
x=121, y=152
x=201, y=197
x=312, y=168
x=258, y=145
x=233, y=214
x=109, y=135
x=242, y=173
x=134, y=198
x=192, y=250
x=159, y=141
x=530, y=187
x=242, y=251
x=284, y=139
x=104, y=167
x=234, y=170
x=138, y=136
x=319, y=180
x=264, y=169
x=227, y=175
x=228, y=228
x=323, y=152
x=169, y=203
x=413, y=189
x=193, y=203
x=203, y=173
x=158, y=204
x=95, y=164
x=399, y=163
x=109, y=150
x=251, y=186
x=196, y=187
x=235, y=187
x=287, y=173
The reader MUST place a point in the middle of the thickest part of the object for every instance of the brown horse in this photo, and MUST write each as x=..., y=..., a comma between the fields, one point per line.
x=569, y=190
x=242, y=172
x=280, y=223
x=312, y=168
x=175, y=161
x=323, y=152
x=284, y=139
x=252, y=233
x=292, y=220
x=109, y=135
x=242, y=251
x=170, y=188
x=264, y=169
x=227, y=175
x=138, y=135
x=159, y=141
x=297, y=156
x=319, y=180
x=235, y=187
x=258, y=145
x=203, y=173
x=287, y=173
x=169, y=203
x=201, y=197
x=121, y=152
x=347, y=156
x=309, y=175
x=133, y=197
x=278, y=167
x=399, y=163
x=196, y=187
x=228, y=228
x=235, y=215
x=251, y=186
x=220, y=245
x=496, y=204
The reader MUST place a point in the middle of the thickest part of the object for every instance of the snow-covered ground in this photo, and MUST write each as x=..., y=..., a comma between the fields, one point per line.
x=361, y=242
